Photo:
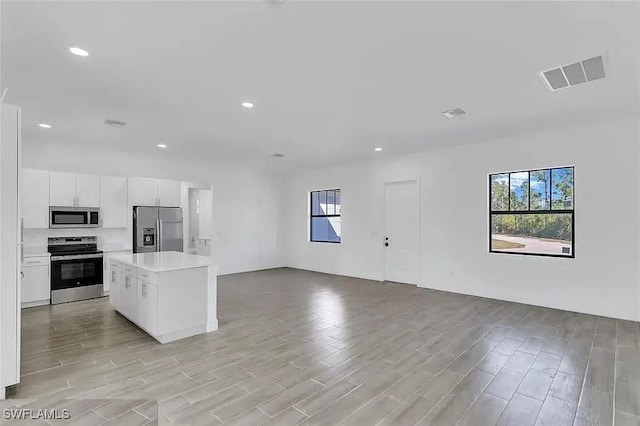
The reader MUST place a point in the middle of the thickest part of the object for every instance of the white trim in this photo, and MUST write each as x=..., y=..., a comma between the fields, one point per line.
x=36, y=303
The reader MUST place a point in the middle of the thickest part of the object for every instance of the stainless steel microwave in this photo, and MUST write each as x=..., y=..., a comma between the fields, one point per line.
x=74, y=217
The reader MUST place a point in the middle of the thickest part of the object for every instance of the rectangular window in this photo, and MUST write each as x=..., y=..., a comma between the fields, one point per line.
x=531, y=212
x=325, y=220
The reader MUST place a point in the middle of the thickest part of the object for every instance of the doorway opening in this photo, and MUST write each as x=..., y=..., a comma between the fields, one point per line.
x=200, y=220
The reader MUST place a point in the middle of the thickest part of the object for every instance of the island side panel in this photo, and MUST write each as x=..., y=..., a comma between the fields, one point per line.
x=182, y=303
x=212, y=299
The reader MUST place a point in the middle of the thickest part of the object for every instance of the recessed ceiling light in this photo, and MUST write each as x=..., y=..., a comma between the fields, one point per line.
x=45, y=126
x=78, y=51
x=378, y=149
x=453, y=113
x=115, y=123
x=247, y=104
x=161, y=146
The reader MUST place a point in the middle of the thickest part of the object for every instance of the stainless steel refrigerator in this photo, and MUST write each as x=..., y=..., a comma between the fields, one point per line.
x=157, y=229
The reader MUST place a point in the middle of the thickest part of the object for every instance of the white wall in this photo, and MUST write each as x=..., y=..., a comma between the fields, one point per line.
x=246, y=202
x=603, y=278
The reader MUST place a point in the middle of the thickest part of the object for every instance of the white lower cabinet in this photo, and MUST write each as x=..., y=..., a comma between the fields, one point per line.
x=116, y=283
x=167, y=305
x=107, y=278
x=36, y=286
x=130, y=298
x=148, y=306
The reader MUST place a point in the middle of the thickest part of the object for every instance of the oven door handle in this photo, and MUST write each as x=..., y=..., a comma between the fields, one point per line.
x=79, y=256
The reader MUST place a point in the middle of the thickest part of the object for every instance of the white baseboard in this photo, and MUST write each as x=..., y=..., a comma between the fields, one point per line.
x=181, y=334
x=36, y=303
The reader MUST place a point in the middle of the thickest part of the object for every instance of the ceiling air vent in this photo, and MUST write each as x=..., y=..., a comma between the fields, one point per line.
x=572, y=74
x=114, y=123
x=454, y=113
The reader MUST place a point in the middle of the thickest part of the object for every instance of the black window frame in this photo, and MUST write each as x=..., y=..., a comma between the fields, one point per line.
x=312, y=216
x=548, y=211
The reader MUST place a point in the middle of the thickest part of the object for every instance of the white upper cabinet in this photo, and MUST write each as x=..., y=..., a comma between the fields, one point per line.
x=62, y=189
x=34, y=198
x=154, y=192
x=113, y=201
x=88, y=190
x=74, y=190
x=168, y=193
x=143, y=191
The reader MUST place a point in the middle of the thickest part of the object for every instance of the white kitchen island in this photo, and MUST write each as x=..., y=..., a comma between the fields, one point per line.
x=170, y=295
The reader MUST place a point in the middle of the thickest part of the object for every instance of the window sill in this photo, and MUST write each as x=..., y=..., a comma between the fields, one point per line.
x=563, y=256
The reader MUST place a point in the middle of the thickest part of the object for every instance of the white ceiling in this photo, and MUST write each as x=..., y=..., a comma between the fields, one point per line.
x=330, y=80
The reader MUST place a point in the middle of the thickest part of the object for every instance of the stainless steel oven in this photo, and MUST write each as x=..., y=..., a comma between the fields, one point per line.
x=76, y=269
x=74, y=217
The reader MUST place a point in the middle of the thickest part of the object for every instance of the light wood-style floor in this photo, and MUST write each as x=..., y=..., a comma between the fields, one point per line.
x=297, y=346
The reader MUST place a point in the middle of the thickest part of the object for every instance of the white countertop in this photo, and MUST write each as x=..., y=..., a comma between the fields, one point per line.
x=164, y=261
x=113, y=247
x=34, y=251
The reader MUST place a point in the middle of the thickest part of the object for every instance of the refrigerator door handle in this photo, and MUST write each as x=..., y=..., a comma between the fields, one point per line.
x=159, y=234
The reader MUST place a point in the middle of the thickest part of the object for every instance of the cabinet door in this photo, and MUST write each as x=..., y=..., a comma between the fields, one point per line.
x=116, y=290
x=106, y=274
x=169, y=193
x=130, y=298
x=114, y=278
x=150, y=293
x=34, y=198
x=35, y=284
x=113, y=201
x=142, y=191
x=141, y=308
x=88, y=190
x=62, y=189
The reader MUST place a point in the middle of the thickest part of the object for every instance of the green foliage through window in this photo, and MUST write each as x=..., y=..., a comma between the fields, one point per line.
x=531, y=212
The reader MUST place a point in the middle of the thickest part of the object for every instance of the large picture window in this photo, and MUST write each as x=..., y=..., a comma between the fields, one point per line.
x=325, y=220
x=532, y=212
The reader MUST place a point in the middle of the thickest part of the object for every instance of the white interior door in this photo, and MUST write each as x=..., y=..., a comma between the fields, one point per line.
x=402, y=232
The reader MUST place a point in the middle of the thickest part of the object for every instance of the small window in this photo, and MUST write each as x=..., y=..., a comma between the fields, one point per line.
x=531, y=212
x=325, y=220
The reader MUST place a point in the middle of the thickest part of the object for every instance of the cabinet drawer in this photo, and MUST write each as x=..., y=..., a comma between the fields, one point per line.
x=129, y=270
x=149, y=277
x=115, y=265
x=35, y=261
